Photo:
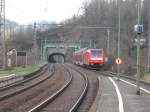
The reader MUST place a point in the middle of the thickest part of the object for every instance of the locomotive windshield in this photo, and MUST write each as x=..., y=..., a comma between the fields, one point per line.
x=96, y=52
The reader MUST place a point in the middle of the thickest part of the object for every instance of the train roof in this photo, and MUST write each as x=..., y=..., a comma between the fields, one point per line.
x=85, y=49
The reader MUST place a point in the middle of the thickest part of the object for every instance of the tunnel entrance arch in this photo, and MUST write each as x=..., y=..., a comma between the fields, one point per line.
x=52, y=46
x=56, y=58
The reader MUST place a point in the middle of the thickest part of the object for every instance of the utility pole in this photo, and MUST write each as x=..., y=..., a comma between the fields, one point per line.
x=108, y=41
x=138, y=52
x=80, y=44
x=92, y=44
x=118, y=65
x=148, y=58
x=2, y=31
x=35, y=44
x=44, y=50
x=41, y=50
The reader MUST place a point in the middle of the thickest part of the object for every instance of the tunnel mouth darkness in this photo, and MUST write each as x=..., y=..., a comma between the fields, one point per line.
x=56, y=58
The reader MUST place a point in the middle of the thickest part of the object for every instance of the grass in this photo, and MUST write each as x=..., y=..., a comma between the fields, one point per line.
x=14, y=70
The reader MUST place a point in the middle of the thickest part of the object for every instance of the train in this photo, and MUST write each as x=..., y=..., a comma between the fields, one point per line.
x=89, y=57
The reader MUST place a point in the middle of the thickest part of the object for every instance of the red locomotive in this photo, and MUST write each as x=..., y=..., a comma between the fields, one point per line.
x=89, y=57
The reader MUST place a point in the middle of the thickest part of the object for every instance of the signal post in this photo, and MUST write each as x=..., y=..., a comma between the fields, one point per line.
x=138, y=29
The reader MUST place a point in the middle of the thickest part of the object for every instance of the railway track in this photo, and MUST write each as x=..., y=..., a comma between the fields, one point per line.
x=88, y=103
x=27, y=78
x=112, y=74
x=124, y=78
x=23, y=86
x=9, y=97
x=31, y=97
x=61, y=86
x=68, y=97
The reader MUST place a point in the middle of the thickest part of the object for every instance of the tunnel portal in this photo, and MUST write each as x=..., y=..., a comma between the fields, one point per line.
x=56, y=58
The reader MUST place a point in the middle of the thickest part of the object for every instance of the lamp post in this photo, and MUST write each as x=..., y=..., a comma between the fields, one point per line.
x=138, y=53
x=118, y=65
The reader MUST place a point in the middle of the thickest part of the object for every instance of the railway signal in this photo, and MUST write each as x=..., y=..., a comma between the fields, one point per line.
x=118, y=61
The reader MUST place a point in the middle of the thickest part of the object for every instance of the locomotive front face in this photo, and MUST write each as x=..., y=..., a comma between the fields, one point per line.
x=96, y=57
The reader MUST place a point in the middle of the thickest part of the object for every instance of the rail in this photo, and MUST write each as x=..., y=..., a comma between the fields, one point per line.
x=11, y=79
x=79, y=101
x=5, y=96
x=125, y=76
x=54, y=95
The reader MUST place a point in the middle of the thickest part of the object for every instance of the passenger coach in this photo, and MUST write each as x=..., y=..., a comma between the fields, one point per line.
x=89, y=57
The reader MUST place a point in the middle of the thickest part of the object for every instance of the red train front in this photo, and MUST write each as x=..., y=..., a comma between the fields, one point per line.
x=89, y=57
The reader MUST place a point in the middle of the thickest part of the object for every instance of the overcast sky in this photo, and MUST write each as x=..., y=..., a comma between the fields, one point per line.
x=27, y=11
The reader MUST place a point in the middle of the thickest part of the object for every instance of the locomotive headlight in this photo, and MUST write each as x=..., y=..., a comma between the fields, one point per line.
x=99, y=58
x=96, y=58
x=93, y=58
